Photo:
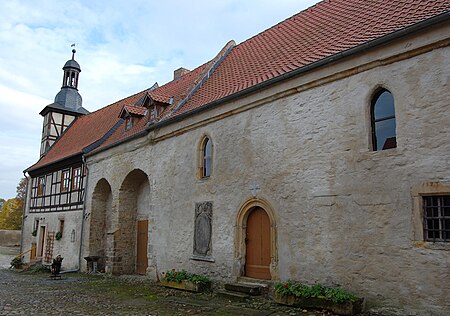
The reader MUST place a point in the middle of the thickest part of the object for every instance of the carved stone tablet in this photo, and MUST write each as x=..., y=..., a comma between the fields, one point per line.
x=203, y=229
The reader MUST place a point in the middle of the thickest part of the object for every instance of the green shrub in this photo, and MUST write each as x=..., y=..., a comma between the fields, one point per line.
x=58, y=235
x=337, y=295
x=40, y=269
x=179, y=276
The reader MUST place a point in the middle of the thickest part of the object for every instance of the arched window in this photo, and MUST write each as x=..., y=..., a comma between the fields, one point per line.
x=206, y=157
x=383, y=121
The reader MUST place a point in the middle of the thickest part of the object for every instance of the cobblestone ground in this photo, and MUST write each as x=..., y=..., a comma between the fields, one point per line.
x=80, y=294
x=7, y=254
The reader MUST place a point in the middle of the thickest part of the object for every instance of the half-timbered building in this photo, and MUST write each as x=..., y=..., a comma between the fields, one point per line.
x=315, y=151
x=56, y=190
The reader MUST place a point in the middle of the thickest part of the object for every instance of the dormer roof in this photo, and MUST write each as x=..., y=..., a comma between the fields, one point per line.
x=132, y=110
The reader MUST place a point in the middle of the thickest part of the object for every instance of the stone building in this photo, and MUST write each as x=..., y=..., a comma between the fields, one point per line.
x=317, y=150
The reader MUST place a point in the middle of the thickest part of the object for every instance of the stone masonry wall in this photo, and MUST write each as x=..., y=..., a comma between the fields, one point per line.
x=69, y=244
x=9, y=238
x=344, y=214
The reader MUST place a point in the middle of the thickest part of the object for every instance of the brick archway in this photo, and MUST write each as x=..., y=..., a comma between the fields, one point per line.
x=100, y=221
x=135, y=184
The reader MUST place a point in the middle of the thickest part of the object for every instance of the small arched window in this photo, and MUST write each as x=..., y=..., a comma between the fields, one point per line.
x=206, y=157
x=383, y=121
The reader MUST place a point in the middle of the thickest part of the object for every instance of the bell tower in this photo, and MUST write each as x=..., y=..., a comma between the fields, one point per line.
x=66, y=107
x=71, y=72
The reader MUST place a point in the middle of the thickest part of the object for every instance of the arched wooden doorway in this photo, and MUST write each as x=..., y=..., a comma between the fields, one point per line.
x=258, y=256
x=255, y=243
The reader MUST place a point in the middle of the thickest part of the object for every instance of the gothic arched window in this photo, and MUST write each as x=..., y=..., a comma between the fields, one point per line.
x=383, y=121
x=206, y=158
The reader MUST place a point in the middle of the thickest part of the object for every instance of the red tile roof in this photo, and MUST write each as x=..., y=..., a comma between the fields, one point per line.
x=323, y=30
x=90, y=128
x=85, y=131
x=177, y=89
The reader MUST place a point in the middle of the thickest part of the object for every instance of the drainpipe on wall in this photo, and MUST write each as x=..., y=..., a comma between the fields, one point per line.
x=82, y=221
x=23, y=211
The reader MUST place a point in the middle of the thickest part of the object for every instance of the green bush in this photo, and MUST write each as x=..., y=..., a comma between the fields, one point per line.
x=179, y=276
x=40, y=269
x=337, y=295
x=58, y=235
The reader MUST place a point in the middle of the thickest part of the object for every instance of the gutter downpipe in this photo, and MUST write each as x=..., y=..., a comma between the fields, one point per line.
x=23, y=211
x=82, y=221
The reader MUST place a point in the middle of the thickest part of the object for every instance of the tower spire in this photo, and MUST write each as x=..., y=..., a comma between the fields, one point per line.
x=66, y=107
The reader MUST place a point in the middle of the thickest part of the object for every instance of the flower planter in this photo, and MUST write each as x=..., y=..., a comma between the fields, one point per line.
x=345, y=308
x=187, y=286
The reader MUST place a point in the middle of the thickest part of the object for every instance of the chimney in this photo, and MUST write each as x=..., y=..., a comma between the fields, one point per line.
x=180, y=72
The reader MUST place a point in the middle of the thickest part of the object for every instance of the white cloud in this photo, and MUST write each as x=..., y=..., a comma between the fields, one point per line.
x=123, y=47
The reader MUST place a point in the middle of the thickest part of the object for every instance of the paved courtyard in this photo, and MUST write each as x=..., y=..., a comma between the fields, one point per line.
x=7, y=254
x=80, y=294
x=35, y=293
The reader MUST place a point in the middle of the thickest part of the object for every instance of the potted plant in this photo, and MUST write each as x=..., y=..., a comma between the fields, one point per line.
x=336, y=300
x=17, y=263
x=183, y=280
x=58, y=235
x=34, y=233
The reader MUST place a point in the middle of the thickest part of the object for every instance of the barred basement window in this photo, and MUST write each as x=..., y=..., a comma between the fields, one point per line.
x=436, y=210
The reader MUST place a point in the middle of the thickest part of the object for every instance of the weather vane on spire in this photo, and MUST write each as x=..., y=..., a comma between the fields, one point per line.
x=73, y=51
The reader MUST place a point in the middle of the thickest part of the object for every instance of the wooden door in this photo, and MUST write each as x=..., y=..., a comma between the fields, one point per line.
x=42, y=241
x=142, y=241
x=257, y=258
x=33, y=251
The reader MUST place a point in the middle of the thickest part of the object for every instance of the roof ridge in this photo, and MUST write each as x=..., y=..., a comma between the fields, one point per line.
x=207, y=72
x=115, y=103
x=102, y=139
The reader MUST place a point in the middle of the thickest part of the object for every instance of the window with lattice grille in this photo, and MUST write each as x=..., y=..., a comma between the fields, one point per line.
x=436, y=210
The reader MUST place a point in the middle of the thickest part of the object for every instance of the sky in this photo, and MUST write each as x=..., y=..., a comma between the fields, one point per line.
x=123, y=47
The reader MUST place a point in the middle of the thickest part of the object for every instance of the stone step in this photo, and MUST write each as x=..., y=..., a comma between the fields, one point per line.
x=233, y=296
x=247, y=288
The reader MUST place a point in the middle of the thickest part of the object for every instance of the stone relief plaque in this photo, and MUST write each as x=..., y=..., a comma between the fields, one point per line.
x=202, y=230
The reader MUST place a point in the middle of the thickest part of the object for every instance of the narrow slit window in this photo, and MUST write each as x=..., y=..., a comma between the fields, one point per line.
x=207, y=158
x=383, y=121
x=61, y=226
